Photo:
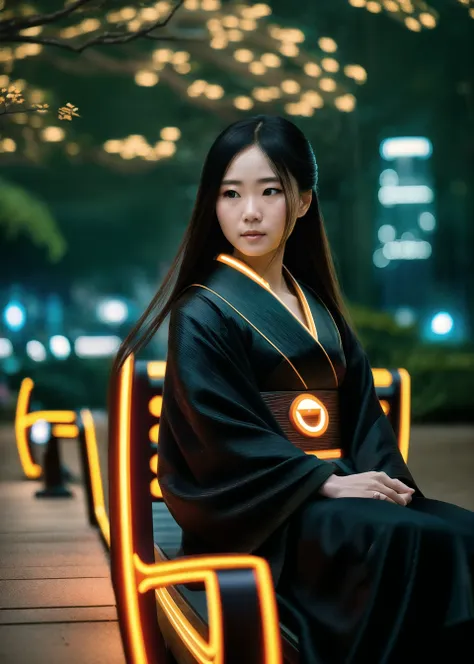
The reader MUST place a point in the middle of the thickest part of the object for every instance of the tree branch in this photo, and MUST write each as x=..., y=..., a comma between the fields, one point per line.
x=9, y=34
x=16, y=24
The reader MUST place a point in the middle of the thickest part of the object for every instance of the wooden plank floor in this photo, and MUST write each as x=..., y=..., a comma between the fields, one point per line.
x=56, y=599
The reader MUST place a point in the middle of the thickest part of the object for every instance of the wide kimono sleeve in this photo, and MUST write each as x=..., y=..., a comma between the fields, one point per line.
x=228, y=474
x=365, y=429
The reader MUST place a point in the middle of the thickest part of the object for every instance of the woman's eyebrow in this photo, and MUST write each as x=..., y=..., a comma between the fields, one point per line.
x=260, y=180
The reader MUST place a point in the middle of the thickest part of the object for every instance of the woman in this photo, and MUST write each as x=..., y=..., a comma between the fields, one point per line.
x=366, y=568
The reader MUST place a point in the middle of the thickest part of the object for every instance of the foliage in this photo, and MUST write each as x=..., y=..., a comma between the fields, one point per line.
x=23, y=214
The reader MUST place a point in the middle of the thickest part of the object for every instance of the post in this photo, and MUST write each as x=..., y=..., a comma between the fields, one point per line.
x=86, y=472
x=53, y=474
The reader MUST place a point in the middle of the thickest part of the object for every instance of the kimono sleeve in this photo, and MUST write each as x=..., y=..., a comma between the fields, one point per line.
x=228, y=474
x=366, y=431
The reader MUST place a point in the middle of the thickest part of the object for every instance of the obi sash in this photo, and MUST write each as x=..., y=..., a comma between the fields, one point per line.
x=309, y=419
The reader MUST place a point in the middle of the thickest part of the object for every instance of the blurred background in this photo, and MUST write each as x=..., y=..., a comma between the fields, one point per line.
x=107, y=109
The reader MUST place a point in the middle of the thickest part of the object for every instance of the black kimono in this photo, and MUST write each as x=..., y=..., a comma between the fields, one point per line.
x=359, y=580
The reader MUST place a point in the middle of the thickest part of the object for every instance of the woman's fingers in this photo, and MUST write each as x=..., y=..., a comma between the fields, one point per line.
x=396, y=485
x=391, y=493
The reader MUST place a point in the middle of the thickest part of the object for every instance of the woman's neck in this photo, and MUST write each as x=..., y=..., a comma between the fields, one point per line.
x=268, y=269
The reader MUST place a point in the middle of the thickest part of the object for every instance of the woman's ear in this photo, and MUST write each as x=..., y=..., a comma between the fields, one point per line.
x=304, y=202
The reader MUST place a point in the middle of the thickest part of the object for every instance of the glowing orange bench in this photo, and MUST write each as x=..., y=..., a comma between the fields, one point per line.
x=195, y=626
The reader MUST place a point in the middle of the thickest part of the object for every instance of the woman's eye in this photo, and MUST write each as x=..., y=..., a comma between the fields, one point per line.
x=230, y=193
x=271, y=191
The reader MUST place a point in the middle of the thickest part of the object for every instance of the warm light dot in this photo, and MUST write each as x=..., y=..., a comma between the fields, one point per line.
x=471, y=12
x=230, y=21
x=356, y=72
x=391, y=6
x=32, y=32
x=243, y=55
x=270, y=60
x=165, y=148
x=330, y=64
x=36, y=96
x=262, y=94
x=345, y=103
x=327, y=84
x=312, y=69
x=191, y=5
x=180, y=57
x=134, y=25
x=327, y=44
x=4, y=81
x=257, y=68
x=373, y=7
x=214, y=92
x=260, y=10
x=214, y=25
x=412, y=24
x=289, y=50
x=8, y=145
x=149, y=14
x=20, y=118
x=428, y=20
x=357, y=3
x=146, y=78
x=248, y=24
x=90, y=24
x=290, y=87
x=53, y=134
x=197, y=88
x=185, y=68
x=293, y=35
x=170, y=133
x=313, y=98
x=219, y=43
x=128, y=13
x=162, y=55
x=113, y=146
x=243, y=103
x=292, y=109
x=210, y=5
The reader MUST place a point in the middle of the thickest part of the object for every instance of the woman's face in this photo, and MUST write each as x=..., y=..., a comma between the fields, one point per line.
x=251, y=206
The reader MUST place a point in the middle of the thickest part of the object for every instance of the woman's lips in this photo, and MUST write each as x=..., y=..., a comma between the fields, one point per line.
x=253, y=236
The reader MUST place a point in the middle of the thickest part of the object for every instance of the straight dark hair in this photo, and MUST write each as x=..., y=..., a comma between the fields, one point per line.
x=307, y=254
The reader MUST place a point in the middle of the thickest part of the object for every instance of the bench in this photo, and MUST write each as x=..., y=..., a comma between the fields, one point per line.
x=203, y=604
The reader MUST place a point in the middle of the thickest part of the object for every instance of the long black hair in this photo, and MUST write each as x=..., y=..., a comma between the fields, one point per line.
x=307, y=254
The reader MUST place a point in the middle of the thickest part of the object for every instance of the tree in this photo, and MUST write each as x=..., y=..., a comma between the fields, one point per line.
x=237, y=58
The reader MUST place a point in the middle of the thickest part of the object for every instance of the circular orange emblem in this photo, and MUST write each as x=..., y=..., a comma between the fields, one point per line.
x=309, y=415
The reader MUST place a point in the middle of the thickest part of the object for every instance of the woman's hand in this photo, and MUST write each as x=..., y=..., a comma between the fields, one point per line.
x=373, y=484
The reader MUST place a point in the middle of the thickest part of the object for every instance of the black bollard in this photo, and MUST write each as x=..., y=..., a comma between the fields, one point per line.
x=53, y=473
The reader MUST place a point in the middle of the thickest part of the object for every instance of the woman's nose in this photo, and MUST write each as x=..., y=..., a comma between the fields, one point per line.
x=251, y=210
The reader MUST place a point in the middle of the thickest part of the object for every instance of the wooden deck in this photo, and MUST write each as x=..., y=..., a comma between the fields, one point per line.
x=56, y=599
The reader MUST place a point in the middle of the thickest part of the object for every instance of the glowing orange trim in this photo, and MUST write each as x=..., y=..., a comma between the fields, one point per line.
x=239, y=265
x=202, y=568
x=155, y=406
x=156, y=369
x=155, y=489
x=382, y=377
x=405, y=414
x=65, y=431
x=385, y=406
x=154, y=433
x=334, y=453
x=193, y=641
x=31, y=469
x=52, y=416
x=298, y=420
x=95, y=475
x=133, y=627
